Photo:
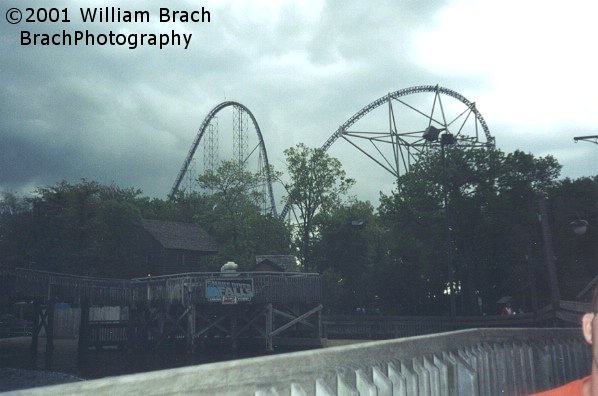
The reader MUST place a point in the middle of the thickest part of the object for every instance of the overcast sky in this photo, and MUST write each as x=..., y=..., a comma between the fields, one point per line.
x=113, y=114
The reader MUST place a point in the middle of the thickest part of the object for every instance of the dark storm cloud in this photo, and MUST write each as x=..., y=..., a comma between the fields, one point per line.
x=21, y=160
x=129, y=116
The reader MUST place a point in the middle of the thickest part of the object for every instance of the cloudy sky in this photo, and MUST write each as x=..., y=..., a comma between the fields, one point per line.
x=113, y=114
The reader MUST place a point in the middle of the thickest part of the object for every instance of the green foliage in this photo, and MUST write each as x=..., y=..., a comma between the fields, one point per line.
x=346, y=250
x=92, y=229
x=234, y=216
x=317, y=184
x=390, y=259
x=80, y=228
x=397, y=262
x=14, y=226
x=576, y=255
x=492, y=209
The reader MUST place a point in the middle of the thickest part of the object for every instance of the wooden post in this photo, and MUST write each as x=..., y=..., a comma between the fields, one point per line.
x=203, y=336
x=319, y=324
x=191, y=329
x=162, y=312
x=131, y=326
x=50, y=332
x=531, y=276
x=37, y=321
x=233, y=329
x=84, y=326
x=269, y=317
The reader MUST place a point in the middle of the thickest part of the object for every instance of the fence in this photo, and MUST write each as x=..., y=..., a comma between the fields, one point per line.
x=67, y=319
x=568, y=314
x=107, y=333
x=15, y=329
x=467, y=362
x=45, y=285
x=268, y=287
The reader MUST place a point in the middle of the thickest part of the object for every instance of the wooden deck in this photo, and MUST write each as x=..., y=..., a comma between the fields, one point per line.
x=273, y=307
x=268, y=287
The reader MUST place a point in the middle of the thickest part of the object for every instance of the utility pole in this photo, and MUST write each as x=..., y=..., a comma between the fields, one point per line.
x=432, y=134
x=448, y=256
x=555, y=294
x=589, y=138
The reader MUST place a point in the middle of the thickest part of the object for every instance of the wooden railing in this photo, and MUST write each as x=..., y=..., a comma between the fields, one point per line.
x=107, y=333
x=568, y=314
x=268, y=287
x=44, y=285
x=15, y=330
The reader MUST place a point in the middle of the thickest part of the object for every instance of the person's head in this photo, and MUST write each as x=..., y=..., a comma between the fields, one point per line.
x=590, y=328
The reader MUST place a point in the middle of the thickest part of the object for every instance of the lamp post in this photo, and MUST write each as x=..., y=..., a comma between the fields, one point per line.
x=431, y=134
x=579, y=226
x=555, y=294
x=589, y=138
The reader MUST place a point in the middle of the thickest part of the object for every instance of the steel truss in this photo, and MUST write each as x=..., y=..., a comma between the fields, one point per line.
x=242, y=152
x=406, y=144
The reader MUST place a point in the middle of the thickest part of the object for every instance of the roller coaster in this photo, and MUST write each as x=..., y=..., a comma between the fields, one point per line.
x=391, y=131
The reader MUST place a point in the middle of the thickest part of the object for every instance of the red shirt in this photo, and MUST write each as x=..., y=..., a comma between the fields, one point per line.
x=574, y=388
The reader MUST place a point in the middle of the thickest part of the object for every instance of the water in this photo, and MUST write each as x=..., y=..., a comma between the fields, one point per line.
x=14, y=353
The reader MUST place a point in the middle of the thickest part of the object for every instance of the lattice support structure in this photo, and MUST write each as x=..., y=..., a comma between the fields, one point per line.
x=242, y=149
x=394, y=144
x=239, y=135
x=210, y=157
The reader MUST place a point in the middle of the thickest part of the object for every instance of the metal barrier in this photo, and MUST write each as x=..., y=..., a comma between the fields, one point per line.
x=467, y=362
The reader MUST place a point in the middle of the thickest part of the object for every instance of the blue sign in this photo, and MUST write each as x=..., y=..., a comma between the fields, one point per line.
x=229, y=291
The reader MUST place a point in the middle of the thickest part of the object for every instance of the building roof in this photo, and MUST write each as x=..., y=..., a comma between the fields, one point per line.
x=283, y=261
x=182, y=236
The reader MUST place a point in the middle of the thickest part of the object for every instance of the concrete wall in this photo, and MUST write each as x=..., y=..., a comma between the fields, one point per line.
x=467, y=362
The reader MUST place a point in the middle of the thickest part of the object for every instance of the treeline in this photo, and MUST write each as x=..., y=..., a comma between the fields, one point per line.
x=390, y=259
x=394, y=257
x=94, y=230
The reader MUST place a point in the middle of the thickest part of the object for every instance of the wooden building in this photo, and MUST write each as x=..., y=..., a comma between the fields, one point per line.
x=276, y=263
x=174, y=247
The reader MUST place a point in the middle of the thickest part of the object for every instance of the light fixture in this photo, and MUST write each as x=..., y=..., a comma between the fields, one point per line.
x=579, y=227
x=431, y=133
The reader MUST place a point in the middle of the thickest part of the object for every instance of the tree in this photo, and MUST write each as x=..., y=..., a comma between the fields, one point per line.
x=317, y=183
x=346, y=251
x=492, y=202
x=83, y=228
x=576, y=254
x=234, y=215
x=15, y=222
